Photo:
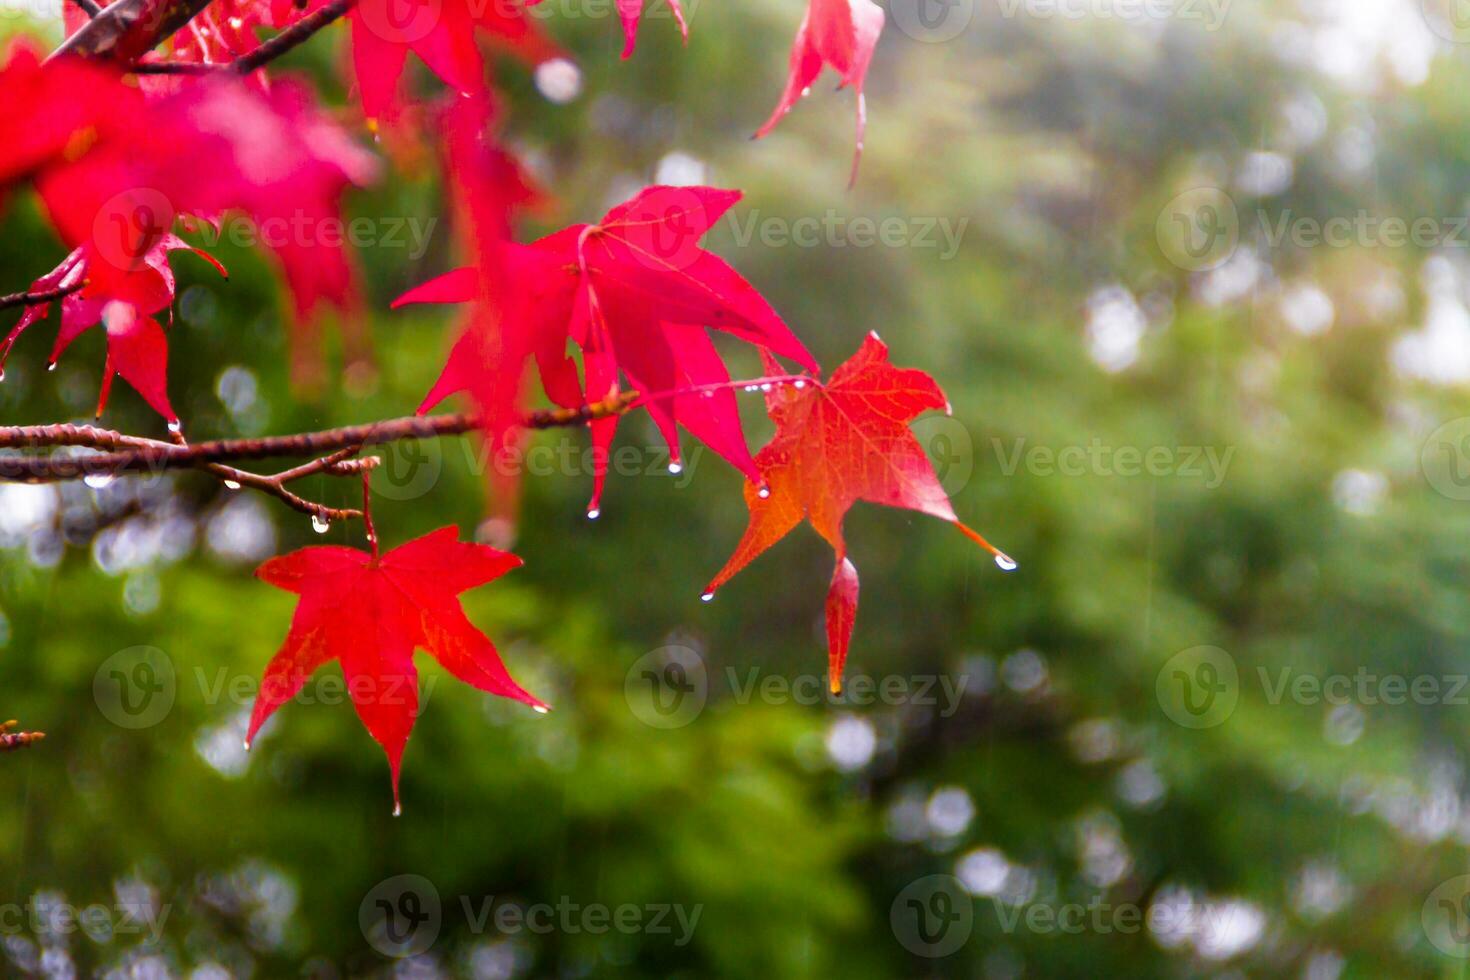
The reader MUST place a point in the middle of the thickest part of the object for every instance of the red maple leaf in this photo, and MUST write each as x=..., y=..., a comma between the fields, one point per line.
x=635, y=293
x=486, y=185
x=116, y=169
x=840, y=33
x=442, y=33
x=630, y=12
x=276, y=158
x=836, y=444
x=125, y=305
x=371, y=613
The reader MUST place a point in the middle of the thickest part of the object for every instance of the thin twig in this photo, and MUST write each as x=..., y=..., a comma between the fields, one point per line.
x=334, y=450
x=40, y=296
x=132, y=454
x=127, y=29
x=293, y=36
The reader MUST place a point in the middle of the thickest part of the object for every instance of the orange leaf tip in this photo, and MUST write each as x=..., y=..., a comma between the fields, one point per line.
x=1004, y=561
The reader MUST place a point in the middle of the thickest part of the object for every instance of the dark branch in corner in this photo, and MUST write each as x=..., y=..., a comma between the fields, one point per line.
x=293, y=36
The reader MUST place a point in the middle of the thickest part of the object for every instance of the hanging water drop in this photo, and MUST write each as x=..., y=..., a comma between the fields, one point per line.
x=2, y=374
x=397, y=809
x=1006, y=563
x=675, y=468
x=541, y=709
x=767, y=386
x=763, y=493
x=707, y=597
x=176, y=427
x=320, y=524
x=231, y=485
x=798, y=384
x=98, y=481
x=246, y=744
x=750, y=388
x=51, y=366
x=593, y=513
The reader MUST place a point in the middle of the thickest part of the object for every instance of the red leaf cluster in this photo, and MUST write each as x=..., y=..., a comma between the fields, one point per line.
x=119, y=156
x=115, y=168
x=369, y=613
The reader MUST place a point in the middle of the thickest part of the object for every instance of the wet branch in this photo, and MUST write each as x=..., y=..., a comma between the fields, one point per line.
x=293, y=36
x=11, y=300
x=329, y=451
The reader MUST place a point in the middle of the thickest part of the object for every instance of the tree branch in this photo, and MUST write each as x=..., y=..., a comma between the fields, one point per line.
x=293, y=36
x=128, y=29
x=42, y=296
x=333, y=448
